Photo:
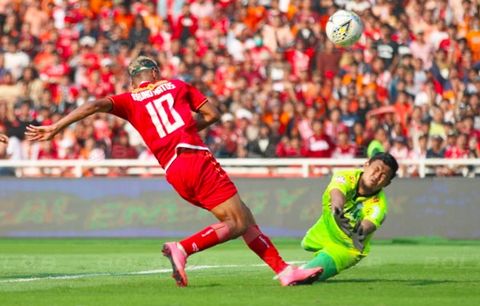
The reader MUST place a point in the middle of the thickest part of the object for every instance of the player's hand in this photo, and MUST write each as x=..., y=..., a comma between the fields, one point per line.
x=40, y=133
x=358, y=236
x=3, y=138
x=342, y=221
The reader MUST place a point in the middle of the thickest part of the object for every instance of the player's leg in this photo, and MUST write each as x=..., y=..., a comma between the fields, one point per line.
x=324, y=260
x=316, y=237
x=331, y=255
x=235, y=213
x=332, y=263
x=216, y=193
x=204, y=183
x=199, y=179
x=334, y=258
x=235, y=220
x=238, y=216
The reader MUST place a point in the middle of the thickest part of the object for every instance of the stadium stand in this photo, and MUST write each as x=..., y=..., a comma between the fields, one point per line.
x=410, y=86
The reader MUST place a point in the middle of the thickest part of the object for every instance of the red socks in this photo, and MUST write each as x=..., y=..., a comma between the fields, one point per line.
x=206, y=238
x=254, y=238
x=264, y=248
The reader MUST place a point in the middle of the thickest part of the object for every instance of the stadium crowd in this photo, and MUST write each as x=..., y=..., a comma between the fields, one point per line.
x=410, y=86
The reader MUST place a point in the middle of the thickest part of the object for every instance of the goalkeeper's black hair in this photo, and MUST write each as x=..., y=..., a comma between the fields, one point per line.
x=388, y=160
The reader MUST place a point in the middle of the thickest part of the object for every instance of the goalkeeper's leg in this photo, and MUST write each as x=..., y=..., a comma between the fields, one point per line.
x=325, y=261
x=333, y=259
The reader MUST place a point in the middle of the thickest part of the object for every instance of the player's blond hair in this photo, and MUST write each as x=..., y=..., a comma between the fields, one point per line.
x=141, y=63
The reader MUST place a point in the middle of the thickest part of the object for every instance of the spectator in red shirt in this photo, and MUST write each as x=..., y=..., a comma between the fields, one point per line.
x=299, y=58
x=121, y=148
x=289, y=147
x=47, y=151
x=468, y=128
x=226, y=137
x=185, y=26
x=460, y=149
x=319, y=144
x=88, y=36
x=334, y=125
x=344, y=148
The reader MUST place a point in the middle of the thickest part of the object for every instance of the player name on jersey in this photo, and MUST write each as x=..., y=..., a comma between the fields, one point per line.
x=147, y=93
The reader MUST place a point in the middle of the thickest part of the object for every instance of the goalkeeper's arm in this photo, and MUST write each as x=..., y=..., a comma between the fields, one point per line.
x=337, y=200
x=367, y=227
x=362, y=229
x=337, y=203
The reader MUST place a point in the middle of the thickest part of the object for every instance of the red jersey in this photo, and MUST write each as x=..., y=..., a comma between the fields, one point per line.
x=345, y=151
x=319, y=146
x=162, y=114
x=456, y=152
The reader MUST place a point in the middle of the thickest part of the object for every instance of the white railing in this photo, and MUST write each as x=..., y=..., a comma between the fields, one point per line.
x=300, y=167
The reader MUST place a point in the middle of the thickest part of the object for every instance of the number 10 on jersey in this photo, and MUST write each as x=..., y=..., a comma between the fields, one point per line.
x=157, y=110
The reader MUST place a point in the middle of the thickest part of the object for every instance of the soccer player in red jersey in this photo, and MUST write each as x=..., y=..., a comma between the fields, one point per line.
x=161, y=111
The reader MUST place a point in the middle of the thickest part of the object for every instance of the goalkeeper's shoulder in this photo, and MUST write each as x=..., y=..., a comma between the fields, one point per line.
x=345, y=172
x=378, y=200
x=376, y=209
x=349, y=176
x=382, y=198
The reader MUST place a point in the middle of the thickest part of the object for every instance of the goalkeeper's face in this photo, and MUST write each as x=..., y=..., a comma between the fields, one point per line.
x=376, y=175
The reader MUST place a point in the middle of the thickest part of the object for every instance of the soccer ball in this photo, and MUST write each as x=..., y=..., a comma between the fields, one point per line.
x=344, y=28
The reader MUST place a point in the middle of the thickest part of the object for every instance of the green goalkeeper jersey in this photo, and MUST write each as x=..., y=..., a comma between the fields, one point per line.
x=372, y=208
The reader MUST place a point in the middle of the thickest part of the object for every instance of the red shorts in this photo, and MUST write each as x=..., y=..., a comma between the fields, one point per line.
x=199, y=179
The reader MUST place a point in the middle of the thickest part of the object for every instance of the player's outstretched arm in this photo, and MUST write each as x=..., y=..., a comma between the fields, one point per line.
x=337, y=203
x=362, y=229
x=208, y=114
x=338, y=199
x=46, y=132
x=3, y=138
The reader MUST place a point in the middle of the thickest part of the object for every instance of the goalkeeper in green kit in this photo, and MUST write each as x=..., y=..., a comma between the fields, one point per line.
x=354, y=206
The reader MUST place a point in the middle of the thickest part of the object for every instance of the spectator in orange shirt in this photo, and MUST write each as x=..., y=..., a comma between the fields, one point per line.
x=124, y=18
x=473, y=38
x=255, y=13
x=46, y=57
x=403, y=107
x=97, y=5
x=152, y=21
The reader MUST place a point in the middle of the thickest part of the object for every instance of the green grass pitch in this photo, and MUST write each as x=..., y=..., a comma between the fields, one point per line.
x=132, y=272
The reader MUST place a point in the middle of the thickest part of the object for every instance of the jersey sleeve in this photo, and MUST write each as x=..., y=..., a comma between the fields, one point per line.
x=340, y=181
x=376, y=209
x=195, y=98
x=121, y=105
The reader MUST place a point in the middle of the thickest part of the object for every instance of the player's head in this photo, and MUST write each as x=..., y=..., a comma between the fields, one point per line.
x=143, y=69
x=379, y=171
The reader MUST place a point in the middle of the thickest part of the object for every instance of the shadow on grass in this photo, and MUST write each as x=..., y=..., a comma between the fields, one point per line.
x=202, y=286
x=411, y=282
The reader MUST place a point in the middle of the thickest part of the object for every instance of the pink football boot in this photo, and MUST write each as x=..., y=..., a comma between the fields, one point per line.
x=178, y=259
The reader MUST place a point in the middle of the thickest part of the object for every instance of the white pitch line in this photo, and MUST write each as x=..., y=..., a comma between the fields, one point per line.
x=147, y=272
